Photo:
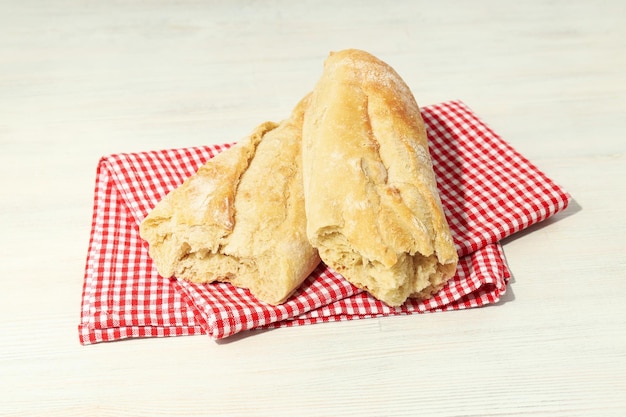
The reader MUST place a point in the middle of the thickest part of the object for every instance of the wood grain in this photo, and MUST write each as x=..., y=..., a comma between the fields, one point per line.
x=80, y=79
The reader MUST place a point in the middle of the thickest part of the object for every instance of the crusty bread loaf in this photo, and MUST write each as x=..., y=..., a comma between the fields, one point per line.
x=240, y=218
x=372, y=205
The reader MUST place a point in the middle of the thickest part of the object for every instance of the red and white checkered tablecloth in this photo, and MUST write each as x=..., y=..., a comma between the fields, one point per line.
x=488, y=190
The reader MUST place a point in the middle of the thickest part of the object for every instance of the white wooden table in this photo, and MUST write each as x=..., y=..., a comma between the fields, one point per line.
x=83, y=79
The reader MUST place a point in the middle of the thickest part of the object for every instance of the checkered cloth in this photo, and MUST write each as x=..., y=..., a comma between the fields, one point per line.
x=488, y=191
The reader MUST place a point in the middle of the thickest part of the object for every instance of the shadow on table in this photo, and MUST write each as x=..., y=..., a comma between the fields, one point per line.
x=571, y=209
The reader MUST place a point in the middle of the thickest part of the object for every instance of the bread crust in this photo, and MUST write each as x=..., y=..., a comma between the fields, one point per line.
x=371, y=199
x=240, y=218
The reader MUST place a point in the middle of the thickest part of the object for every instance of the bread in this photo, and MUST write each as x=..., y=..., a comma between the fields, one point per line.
x=347, y=177
x=372, y=205
x=240, y=218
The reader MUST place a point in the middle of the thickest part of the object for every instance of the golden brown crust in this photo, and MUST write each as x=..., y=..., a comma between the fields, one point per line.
x=372, y=205
x=240, y=218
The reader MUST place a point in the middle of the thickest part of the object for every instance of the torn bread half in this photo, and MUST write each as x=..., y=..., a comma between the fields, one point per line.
x=240, y=218
x=371, y=199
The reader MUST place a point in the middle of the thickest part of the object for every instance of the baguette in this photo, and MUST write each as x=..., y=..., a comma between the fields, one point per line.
x=240, y=218
x=372, y=206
